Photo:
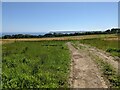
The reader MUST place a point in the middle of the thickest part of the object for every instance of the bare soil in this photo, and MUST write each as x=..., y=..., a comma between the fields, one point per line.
x=84, y=72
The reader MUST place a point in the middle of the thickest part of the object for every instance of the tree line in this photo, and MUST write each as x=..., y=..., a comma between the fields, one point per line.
x=109, y=31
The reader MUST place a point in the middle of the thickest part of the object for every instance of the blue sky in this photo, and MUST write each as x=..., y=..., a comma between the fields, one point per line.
x=62, y=16
x=60, y=0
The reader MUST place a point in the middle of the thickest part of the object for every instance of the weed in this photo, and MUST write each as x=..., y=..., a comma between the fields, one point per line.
x=42, y=64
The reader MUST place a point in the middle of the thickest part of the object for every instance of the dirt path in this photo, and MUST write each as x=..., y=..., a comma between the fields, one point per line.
x=84, y=72
x=103, y=55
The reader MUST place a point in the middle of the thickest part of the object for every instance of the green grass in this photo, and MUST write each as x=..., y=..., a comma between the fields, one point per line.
x=108, y=71
x=110, y=46
x=42, y=64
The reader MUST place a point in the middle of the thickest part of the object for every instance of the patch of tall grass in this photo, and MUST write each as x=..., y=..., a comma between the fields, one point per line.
x=42, y=64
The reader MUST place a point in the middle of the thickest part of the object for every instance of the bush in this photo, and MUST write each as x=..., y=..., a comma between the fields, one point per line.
x=113, y=50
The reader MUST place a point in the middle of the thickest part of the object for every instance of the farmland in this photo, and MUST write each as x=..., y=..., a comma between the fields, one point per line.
x=59, y=45
x=108, y=36
x=46, y=62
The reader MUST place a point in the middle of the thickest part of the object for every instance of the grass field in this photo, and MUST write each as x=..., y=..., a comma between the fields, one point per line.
x=35, y=64
x=111, y=46
x=45, y=63
x=106, y=36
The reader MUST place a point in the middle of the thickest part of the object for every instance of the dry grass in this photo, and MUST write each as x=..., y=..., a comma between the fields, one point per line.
x=4, y=41
x=111, y=39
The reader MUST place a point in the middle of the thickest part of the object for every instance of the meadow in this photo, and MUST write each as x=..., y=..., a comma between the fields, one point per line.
x=111, y=46
x=43, y=64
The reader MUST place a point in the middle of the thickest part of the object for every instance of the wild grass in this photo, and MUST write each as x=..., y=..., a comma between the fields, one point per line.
x=111, y=46
x=108, y=71
x=42, y=64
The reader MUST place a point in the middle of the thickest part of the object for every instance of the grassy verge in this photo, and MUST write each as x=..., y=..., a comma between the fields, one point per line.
x=108, y=71
x=42, y=64
x=110, y=46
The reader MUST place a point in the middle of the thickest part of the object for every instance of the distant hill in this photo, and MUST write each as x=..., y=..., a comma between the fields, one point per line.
x=67, y=32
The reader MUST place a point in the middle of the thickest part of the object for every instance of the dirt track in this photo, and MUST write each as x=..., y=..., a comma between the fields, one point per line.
x=106, y=57
x=84, y=72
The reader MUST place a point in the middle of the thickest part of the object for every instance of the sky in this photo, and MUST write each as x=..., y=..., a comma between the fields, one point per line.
x=0, y=18
x=60, y=0
x=58, y=16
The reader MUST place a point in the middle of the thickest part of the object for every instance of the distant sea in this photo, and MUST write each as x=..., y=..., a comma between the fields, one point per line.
x=30, y=33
